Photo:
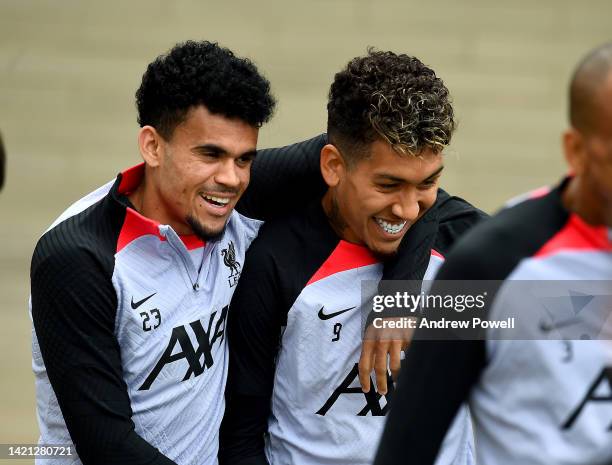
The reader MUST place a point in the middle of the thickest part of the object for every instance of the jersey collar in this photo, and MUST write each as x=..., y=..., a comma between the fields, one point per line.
x=135, y=224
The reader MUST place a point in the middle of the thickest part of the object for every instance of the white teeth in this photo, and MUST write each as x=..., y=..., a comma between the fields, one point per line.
x=220, y=200
x=390, y=227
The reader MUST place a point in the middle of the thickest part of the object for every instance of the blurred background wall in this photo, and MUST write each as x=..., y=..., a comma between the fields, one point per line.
x=69, y=70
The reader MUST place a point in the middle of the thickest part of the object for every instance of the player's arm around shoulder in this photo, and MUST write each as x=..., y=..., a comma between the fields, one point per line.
x=284, y=178
x=73, y=307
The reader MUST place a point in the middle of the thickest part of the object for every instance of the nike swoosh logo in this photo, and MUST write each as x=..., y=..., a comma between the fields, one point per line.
x=327, y=316
x=135, y=305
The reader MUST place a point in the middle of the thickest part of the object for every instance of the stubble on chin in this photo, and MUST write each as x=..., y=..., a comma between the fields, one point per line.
x=201, y=231
x=384, y=256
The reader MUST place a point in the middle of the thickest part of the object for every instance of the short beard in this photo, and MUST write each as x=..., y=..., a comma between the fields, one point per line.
x=384, y=257
x=201, y=231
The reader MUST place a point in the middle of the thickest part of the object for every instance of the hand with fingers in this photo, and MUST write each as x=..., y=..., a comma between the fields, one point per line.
x=381, y=350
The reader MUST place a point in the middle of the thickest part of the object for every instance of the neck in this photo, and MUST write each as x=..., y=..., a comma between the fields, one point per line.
x=137, y=198
x=580, y=198
x=148, y=202
x=332, y=211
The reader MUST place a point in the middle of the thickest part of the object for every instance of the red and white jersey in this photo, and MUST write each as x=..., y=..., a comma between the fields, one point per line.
x=319, y=412
x=295, y=333
x=141, y=312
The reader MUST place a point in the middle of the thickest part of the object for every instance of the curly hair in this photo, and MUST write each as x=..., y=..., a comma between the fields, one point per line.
x=391, y=97
x=202, y=73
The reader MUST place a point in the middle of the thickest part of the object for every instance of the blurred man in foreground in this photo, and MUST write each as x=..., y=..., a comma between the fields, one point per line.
x=533, y=401
x=389, y=119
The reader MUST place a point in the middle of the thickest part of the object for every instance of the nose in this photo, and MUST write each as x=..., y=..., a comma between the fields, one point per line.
x=406, y=206
x=227, y=173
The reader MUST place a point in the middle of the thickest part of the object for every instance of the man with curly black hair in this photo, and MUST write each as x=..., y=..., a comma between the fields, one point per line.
x=300, y=401
x=131, y=284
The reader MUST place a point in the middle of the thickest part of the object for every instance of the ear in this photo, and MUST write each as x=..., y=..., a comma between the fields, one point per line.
x=574, y=150
x=333, y=166
x=151, y=145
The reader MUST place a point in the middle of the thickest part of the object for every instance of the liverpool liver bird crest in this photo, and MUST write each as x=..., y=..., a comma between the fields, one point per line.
x=229, y=259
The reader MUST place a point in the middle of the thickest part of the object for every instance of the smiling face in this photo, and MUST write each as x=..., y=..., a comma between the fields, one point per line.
x=194, y=180
x=378, y=199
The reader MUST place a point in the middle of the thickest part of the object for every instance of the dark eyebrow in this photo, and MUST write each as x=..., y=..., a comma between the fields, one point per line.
x=251, y=154
x=208, y=148
x=434, y=174
x=391, y=178
x=218, y=150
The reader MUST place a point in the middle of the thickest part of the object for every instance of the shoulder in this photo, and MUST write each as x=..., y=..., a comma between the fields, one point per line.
x=84, y=203
x=81, y=245
x=282, y=178
x=281, y=238
x=244, y=225
x=455, y=216
x=292, y=247
x=451, y=208
x=72, y=278
x=493, y=248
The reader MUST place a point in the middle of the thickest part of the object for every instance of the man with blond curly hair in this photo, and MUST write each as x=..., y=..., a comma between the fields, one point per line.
x=296, y=322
